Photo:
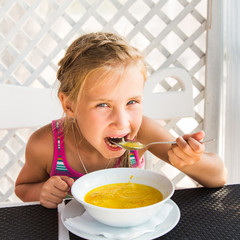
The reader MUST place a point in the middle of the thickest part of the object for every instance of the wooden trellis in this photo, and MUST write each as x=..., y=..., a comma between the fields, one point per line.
x=34, y=35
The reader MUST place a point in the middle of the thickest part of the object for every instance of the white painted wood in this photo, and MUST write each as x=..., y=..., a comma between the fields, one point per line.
x=25, y=107
x=17, y=204
x=214, y=75
x=170, y=104
x=167, y=105
x=232, y=83
x=63, y=233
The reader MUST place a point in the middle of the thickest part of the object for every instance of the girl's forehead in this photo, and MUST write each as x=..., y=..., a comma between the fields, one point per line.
x=111, y=84
x=113, y=77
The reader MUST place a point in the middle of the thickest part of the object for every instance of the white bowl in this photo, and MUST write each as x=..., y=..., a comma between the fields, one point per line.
x=122, y=217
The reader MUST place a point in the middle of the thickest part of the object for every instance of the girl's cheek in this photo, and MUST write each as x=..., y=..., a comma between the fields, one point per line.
x=136, y=125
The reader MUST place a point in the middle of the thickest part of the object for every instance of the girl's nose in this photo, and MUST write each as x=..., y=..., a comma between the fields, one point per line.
x=120, y=118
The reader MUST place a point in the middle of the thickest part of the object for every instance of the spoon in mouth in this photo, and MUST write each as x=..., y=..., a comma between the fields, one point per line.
x=133, y=145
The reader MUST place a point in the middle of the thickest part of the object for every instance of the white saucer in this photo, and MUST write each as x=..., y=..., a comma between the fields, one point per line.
x=74, y=209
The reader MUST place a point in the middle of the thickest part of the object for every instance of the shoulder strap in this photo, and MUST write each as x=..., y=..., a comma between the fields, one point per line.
x=134, y=159
x=57, y=158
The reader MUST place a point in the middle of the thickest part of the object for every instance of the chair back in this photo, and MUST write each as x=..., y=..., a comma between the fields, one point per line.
x=170, y=104
x=167, y=105
x=25, y=107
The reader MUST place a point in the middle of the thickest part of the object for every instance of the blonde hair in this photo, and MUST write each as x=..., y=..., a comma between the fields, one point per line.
x=91, y=53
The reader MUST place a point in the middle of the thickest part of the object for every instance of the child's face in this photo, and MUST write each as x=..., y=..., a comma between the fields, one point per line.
x=112, y=109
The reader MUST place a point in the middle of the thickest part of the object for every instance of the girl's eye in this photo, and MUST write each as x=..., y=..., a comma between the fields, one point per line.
x=102, y=105
x=131, y=102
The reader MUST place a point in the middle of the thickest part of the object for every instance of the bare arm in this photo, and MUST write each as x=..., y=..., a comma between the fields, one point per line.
x=33, y=182
x=187, y=155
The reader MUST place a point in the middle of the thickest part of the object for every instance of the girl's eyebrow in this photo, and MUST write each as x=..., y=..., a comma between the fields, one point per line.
x=135, y=97
x=109, y=100
x=101, y=100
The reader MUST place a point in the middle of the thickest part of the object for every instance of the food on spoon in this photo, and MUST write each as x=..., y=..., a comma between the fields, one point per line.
x=123, y=195
x=127, y=143
x=132, y=144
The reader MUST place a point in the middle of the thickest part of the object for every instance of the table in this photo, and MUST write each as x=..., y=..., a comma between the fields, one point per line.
x=205, y=214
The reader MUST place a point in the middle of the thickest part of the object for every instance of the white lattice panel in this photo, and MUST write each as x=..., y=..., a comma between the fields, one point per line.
x=34, y=35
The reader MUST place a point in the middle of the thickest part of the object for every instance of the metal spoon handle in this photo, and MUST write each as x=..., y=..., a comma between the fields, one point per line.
x=202, y=141
x=130, y=144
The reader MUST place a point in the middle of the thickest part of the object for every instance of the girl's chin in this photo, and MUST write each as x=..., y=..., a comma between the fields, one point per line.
x=114, y=153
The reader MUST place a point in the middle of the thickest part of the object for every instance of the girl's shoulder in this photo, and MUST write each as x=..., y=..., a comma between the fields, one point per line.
x=39, y=148
x=42, y=136
x=148, y=128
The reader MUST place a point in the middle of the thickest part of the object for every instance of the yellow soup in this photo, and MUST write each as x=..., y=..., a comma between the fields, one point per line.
x=123, y=195
x=132, y=144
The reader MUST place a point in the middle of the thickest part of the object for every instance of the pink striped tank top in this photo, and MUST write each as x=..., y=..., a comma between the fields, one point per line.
x=61, y=166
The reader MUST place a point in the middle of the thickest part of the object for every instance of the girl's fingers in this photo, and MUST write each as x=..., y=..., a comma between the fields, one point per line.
x=51, y=202
x=54, y=191
x=58, y=193
x=182, y=148
x=179, y=152
x=178, y=162
x=56, y=199
x=53, y=198
x=174, y=160
x=182, y=143
x=185, y=153
x=198, y=136
x=62, y=183
x=68, y=180
x=189, y=147
x=195, y=145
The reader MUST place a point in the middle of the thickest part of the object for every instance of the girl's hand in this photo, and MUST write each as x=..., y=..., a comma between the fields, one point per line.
x=187, y=151
x=54, y=190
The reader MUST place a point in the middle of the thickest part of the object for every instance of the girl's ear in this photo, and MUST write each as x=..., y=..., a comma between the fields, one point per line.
x=67, y=105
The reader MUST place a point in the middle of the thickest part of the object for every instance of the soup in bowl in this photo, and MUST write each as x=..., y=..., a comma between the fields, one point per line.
x=122, y=197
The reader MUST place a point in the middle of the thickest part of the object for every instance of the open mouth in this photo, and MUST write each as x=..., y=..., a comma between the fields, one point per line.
x=112, y=140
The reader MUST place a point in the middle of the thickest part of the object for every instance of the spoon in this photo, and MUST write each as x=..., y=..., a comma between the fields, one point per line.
x=133, y=145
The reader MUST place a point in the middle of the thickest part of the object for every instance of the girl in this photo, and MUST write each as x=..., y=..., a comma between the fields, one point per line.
x=101, y=86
